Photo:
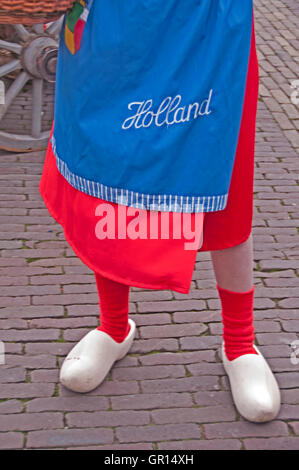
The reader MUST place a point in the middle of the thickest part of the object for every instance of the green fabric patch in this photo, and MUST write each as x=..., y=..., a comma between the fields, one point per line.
x=73, y=15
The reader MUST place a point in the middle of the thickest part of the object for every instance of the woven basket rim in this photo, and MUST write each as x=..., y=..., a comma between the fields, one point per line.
x=33, y=11
x=35, y=6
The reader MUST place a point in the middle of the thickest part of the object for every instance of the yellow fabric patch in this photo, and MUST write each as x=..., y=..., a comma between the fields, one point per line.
x=69, y=40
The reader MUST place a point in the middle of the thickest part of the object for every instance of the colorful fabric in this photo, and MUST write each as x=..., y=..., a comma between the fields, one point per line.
x=157, y=264
x=153, y=117
x=237, y=318
x=75, y=22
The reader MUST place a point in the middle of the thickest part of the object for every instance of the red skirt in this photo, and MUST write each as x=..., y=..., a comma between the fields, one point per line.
x=157, y=263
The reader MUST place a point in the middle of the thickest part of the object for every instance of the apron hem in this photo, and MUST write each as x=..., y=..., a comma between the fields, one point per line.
x=145, y=201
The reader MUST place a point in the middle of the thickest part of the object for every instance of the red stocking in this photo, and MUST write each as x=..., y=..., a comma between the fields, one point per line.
x=237, y=316
x=114, y=306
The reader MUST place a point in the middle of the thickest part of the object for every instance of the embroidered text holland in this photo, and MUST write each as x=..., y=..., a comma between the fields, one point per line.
x=145, y=117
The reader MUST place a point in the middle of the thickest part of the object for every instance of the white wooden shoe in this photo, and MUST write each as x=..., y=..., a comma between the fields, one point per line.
x=254, y=388
x=88, y=363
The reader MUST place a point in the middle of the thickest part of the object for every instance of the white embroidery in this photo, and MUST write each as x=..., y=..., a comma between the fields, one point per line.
x=145, y=116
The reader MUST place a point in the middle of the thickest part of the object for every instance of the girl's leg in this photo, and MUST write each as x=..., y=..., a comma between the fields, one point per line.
x=114, y=306
x=253, y=385
x=90, y=360
x=233, y=269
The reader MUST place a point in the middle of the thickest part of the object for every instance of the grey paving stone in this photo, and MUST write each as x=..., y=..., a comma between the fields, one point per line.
x=170, y=391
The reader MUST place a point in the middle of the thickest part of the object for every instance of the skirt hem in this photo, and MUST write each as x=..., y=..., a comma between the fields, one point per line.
x=141, y=285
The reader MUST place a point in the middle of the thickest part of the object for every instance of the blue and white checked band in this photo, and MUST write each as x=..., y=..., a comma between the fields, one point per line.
x=154, y=202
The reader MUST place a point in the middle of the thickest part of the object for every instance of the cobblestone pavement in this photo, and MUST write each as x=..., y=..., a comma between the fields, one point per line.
x=170, y=392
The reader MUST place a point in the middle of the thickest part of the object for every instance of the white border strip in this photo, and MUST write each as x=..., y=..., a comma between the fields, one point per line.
x=154, y=202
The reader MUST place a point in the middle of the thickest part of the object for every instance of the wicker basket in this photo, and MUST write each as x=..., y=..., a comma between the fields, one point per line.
x=32, y=11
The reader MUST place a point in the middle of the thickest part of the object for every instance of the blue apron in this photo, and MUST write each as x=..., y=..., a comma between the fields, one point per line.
x=148, y=109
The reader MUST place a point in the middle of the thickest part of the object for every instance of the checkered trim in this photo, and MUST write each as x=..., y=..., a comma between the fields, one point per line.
x=154, y=202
